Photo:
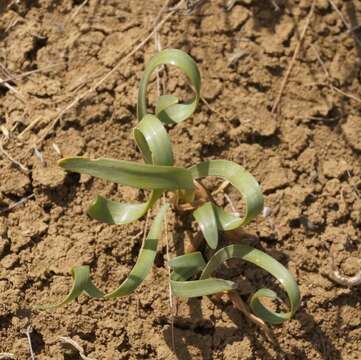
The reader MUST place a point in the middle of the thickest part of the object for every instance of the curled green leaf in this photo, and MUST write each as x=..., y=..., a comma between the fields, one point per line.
x=153, y=141
x=242, y=180
x=186, y=266
x=81, y=282
x=207, y=220
x=168, y=108
x=267, y=263
x=114, y=212
x=81, y=274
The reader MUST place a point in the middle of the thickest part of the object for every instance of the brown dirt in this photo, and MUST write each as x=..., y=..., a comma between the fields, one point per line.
x=307, y=159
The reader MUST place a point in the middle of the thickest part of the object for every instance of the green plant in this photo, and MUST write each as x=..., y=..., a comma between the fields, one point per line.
x=159, y=175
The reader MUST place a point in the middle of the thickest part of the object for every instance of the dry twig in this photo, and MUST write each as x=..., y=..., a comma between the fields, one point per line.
x=213, y=109
x=330, y=79
x=222, y=187
x=28, y=331
x=293, y=60
x=12, y=89
x=18, y=203
x=29, y=127
x=348, y=26
x=76, y=12
x=241, y=306
x=27, y=73
x=350, y=96
x=17, y=163
x=171, y=305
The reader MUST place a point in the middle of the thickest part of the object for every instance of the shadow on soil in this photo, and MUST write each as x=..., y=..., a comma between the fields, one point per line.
x=206, y=336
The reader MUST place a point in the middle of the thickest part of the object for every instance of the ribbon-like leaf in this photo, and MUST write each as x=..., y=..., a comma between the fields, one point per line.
x=212, y=218
x=267, y=263
x=186, y=266
x=207, y=220
x=153, y=141
x=141, y=176
x=168, y=109
x=114, y=212
x=81, y=274
x=242, y=180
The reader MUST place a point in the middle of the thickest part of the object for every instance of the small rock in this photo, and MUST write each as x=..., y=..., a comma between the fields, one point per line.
x=213, y=23
x=297, y=138
x=315, y=215
x=264, y=123
x=356, y=212
x=297, y=194
x=352, y=131
x=84, y=178
x=271, y=47
x=351, y=266
x=349, y=316
x=42, y=86
x=307, y=160
x=335, y=169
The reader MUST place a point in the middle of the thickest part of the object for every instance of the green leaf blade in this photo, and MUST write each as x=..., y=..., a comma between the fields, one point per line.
x=206, y=218
x=242, y=180
x=145, y=259
x=268, y=264
x=114, y=212
x=195, y=288
x=81, y=274
x=168, y=108
x=142, y=176
x=153, y=141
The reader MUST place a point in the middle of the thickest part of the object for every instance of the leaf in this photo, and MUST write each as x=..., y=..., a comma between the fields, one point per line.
x=207, y=220
x=81, y=278
x=114, y=212
x=81, y=274
x=195, y=288
x=145, y=259
x=242, y=180
x=142, y=176
x=267, y=263
x=168, y=108
x=186, y=266
x=153, y=141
